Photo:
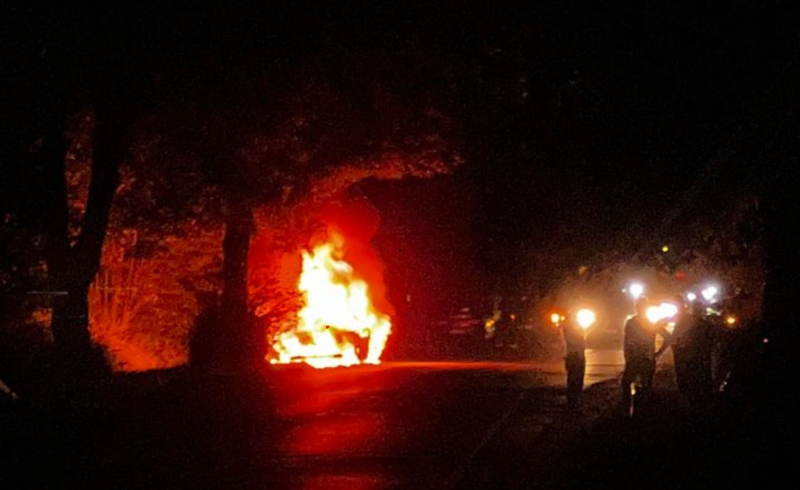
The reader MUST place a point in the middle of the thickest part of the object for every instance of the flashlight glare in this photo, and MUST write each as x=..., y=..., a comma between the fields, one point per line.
x=668, y=310
x=655, y=314
x=709, y=292
x=585, y=318
x=636, y=290
x=555, y=318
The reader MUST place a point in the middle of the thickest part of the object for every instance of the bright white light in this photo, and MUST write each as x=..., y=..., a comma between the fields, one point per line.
x=636, y=290
x=709, y=292
x=653, y=314
x=585, y=318
x=668, y=310
x=691, y=296
x=664, y=310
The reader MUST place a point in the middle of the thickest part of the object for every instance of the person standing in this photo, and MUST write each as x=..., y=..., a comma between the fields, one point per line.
x=679, y=344
x=691, y=347
x=639, y=348
x=574, y=338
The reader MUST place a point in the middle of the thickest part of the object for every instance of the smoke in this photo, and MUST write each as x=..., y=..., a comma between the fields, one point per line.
x=356, y=222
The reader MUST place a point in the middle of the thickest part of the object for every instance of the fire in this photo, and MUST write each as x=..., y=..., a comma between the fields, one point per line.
x=338, y=325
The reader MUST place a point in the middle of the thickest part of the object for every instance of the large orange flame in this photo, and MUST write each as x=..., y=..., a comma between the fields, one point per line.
x=338, y=324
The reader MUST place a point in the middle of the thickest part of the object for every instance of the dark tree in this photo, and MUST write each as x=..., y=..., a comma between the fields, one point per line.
x=68, y=61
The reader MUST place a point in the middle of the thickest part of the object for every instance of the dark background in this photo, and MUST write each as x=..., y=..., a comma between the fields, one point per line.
x=611, y=127
x=579, y=125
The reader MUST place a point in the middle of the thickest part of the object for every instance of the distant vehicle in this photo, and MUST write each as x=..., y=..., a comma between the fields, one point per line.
x=461, y=334
x=464, y=322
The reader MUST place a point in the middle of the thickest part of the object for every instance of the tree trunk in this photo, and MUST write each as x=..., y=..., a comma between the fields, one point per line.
x=71, y=321
x=67, y=310
x=236, y=340
x=73, y=268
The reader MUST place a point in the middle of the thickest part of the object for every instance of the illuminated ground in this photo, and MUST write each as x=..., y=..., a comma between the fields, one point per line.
x=410, y=424
x=399, y=425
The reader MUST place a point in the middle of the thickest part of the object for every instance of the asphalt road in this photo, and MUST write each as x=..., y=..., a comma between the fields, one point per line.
x=406, y=425
x=397, y=425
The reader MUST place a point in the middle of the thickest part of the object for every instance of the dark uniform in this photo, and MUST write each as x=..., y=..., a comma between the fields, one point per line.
x=691, y=347
x=574, y=358
x=640, y=355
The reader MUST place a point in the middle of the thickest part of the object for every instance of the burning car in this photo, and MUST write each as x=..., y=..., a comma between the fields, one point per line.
x=338, y=324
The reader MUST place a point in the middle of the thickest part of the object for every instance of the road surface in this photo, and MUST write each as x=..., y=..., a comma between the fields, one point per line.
x=413, y=425
x=406, y=425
